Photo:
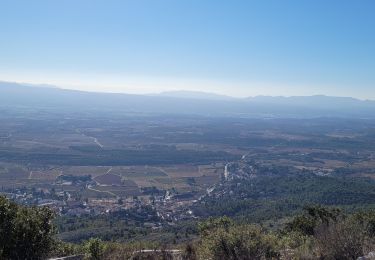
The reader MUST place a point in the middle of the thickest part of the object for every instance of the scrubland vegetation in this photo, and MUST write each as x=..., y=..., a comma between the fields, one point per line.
x=316, y=233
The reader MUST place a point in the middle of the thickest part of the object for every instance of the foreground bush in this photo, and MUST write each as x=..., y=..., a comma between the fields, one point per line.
x=341, y=240
x=229, y=241
x=330, y=234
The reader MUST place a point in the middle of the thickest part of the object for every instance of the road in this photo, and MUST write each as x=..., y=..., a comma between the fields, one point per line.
x=96, y=141
x=109, y=170
x=226, y=172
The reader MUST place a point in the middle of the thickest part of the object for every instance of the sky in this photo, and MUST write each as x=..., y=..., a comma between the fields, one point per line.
x=238, y=48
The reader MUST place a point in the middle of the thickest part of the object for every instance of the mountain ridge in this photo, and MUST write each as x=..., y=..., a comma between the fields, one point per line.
x=190, y=94
x=207, y=104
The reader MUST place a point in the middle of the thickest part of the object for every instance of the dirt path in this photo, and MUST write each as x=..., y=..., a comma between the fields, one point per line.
x=101, y=191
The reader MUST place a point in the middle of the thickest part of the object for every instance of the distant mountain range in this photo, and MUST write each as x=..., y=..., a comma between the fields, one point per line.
x=195, y=95
x=26, y=96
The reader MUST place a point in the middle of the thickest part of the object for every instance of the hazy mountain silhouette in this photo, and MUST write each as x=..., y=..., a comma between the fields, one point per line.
x=194, y=95
x=13, y=95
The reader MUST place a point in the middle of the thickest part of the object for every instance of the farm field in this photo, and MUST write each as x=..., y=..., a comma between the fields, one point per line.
x=160, y=171
x=167, y=153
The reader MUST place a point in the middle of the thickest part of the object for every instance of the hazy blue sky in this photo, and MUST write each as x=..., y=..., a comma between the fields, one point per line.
x=239, y=48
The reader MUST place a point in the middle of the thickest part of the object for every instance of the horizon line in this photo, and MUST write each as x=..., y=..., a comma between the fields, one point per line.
x=54, y=86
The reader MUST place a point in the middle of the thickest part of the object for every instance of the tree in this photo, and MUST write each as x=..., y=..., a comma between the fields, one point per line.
x=94, y=248
x=211, y=224
x=313, y=217
x=25, y=233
